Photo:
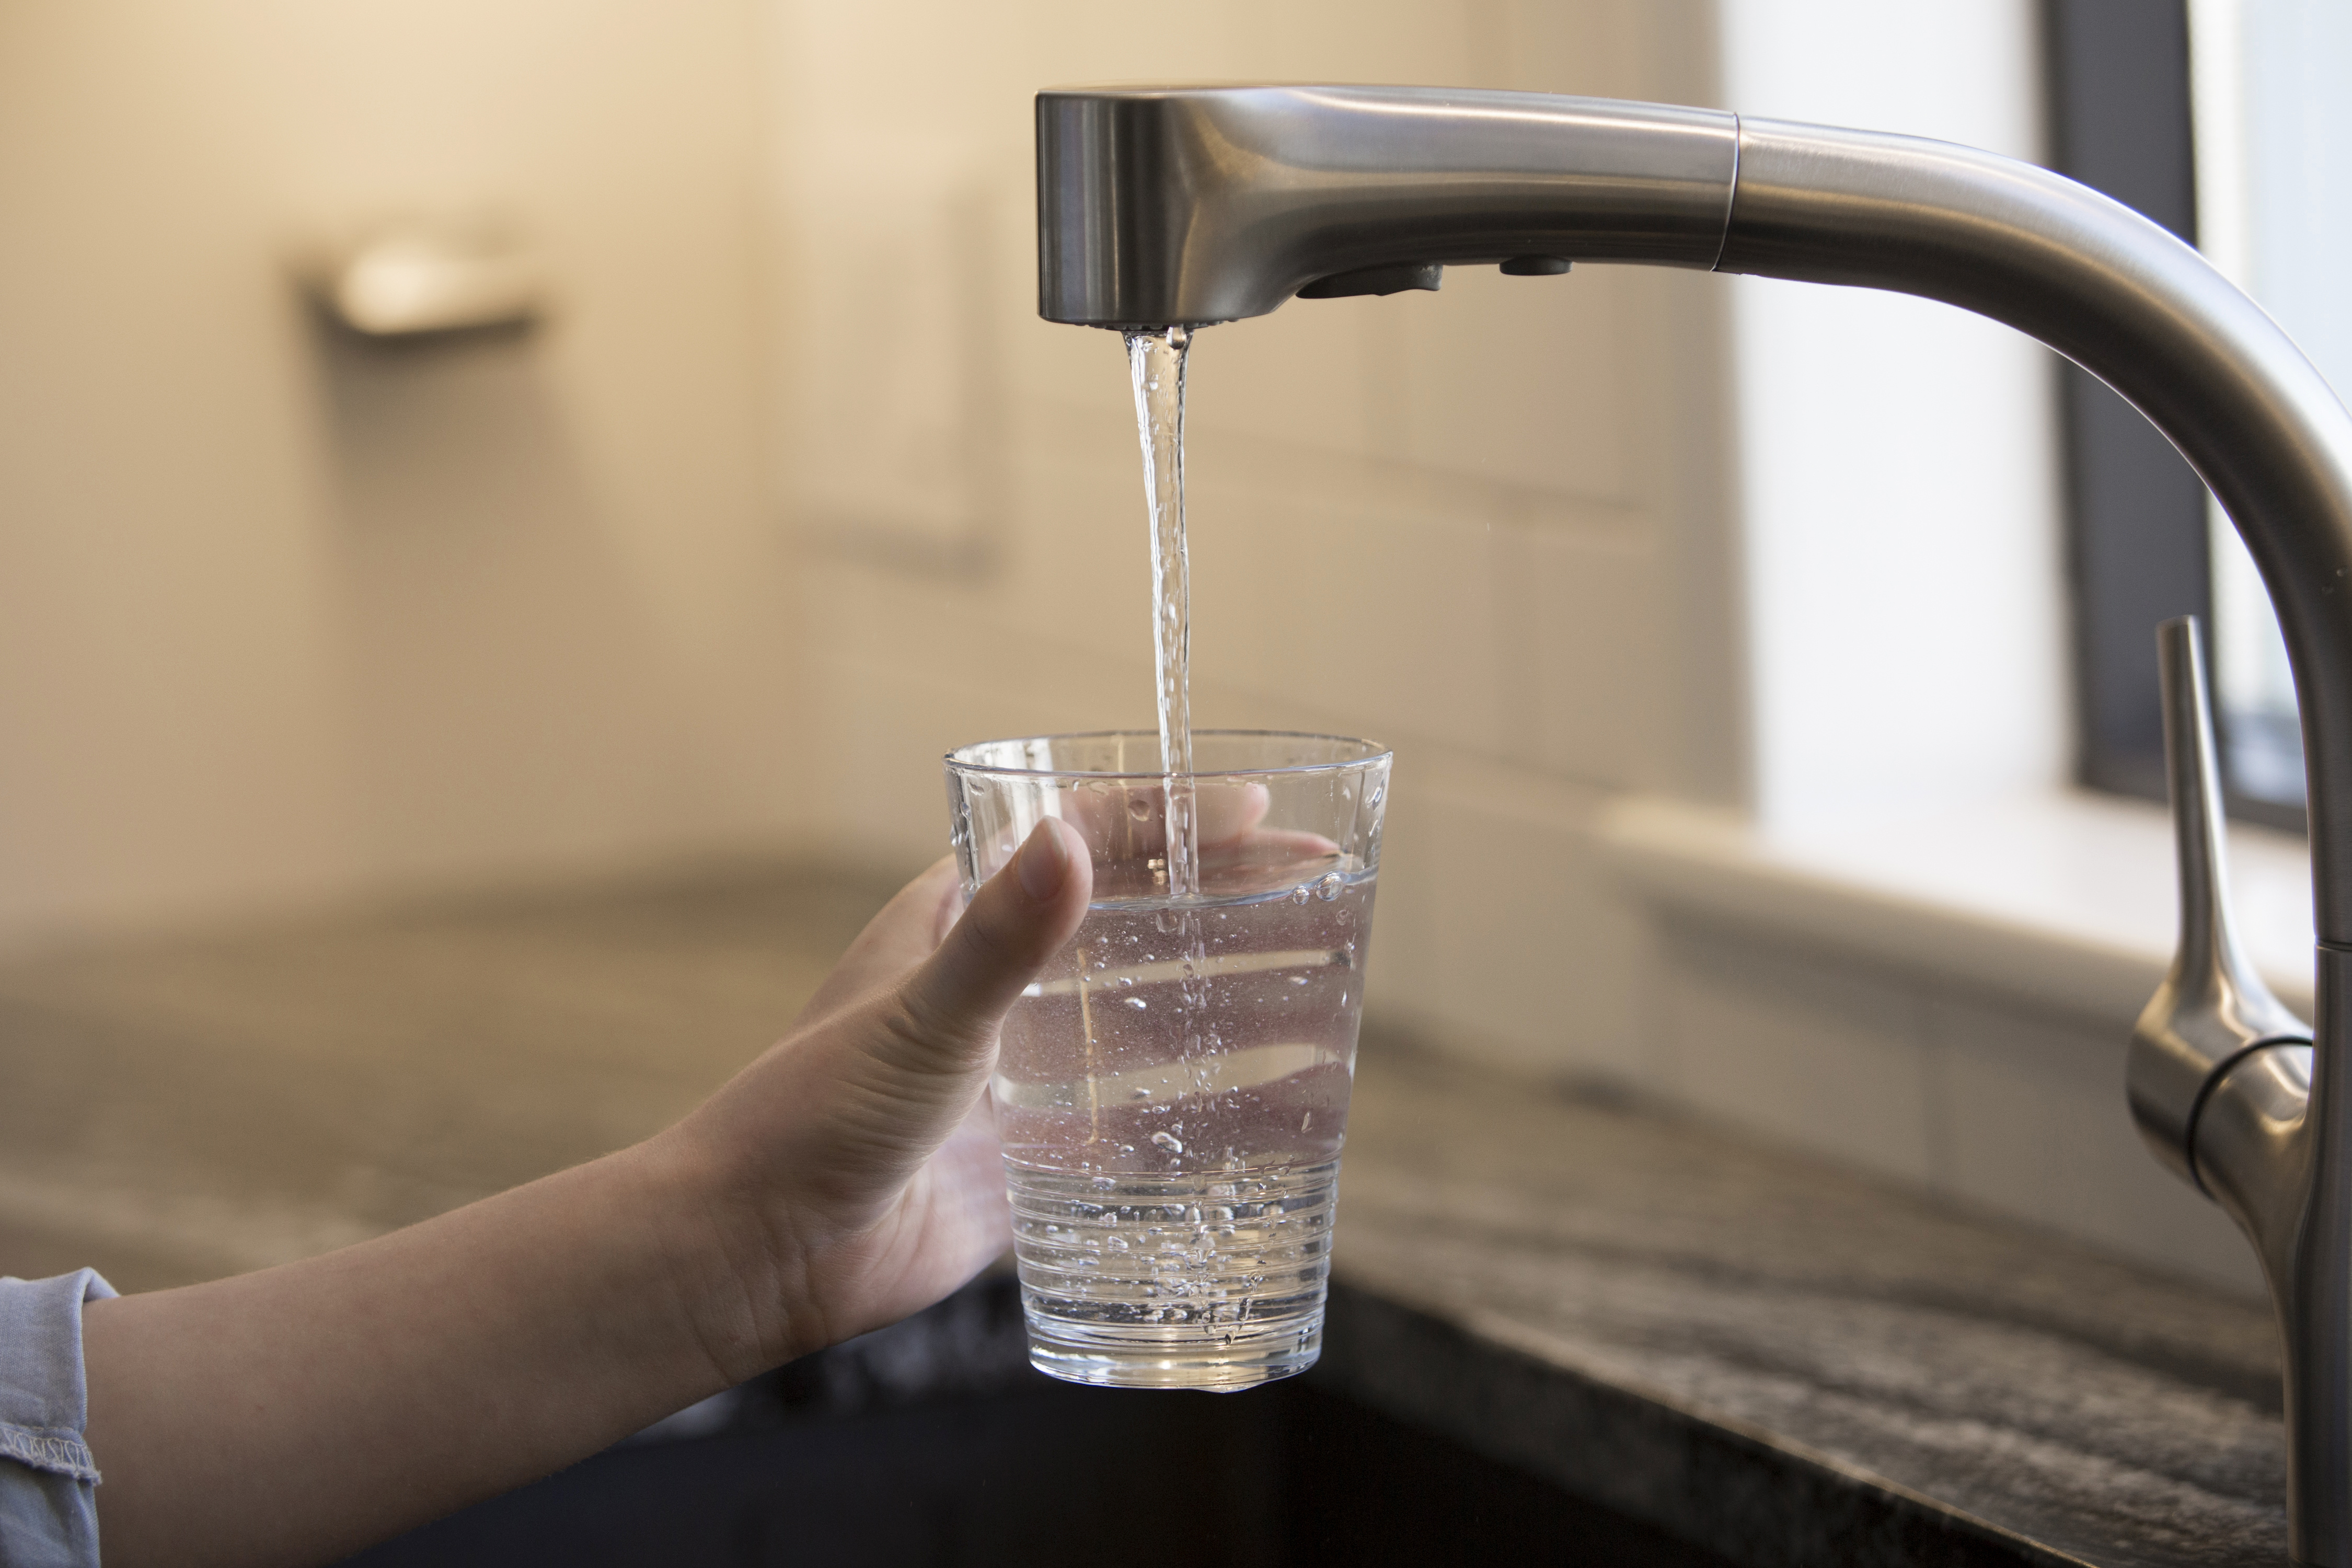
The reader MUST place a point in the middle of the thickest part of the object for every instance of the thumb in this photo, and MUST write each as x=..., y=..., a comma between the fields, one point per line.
x=1018, y=919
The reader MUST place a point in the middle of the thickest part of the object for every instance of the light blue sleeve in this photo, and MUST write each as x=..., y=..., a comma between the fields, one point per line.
x=48, y=1487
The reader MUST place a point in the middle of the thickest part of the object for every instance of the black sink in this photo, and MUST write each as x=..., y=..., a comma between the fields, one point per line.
x=933, y=1444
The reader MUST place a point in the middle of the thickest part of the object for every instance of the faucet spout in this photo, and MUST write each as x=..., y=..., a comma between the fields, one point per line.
x=1160, y=207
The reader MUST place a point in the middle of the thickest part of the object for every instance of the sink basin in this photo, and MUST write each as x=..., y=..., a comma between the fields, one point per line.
x=932, y=1444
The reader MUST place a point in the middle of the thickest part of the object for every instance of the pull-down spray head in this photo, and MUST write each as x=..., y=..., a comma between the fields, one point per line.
x=1164, y=206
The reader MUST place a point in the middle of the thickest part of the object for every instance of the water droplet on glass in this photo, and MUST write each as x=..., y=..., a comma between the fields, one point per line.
x=1138, y=807
x=1329, y=887
x=1168, y=1143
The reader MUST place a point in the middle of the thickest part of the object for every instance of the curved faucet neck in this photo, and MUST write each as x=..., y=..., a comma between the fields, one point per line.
x=2145, y=313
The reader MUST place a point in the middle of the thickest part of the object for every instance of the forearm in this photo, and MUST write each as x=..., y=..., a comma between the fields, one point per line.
x=295, y=1414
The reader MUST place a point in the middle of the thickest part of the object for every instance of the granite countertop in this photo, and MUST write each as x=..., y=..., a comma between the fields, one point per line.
x=1766, y=1355
x=1770, y=1355
x=180, y=1108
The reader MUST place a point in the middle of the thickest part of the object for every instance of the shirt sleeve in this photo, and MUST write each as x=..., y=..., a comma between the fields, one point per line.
x=48, y=1501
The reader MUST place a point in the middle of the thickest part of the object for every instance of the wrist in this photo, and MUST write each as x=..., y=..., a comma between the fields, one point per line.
x=736, y=1270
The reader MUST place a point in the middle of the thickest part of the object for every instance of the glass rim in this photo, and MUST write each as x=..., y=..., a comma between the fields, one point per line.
x=961, y=760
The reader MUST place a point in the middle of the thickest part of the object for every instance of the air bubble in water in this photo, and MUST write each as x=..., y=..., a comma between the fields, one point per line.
x=1298, y=894
x=1168, y=1142
x=1329, y=887
x=1138, y=807
x=1137, y=1003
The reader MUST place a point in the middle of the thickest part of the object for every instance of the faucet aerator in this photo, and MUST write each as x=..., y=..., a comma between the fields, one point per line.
x=1377, y=280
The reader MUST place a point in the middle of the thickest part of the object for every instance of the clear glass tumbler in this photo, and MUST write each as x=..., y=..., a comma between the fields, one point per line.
x=1173, y=1091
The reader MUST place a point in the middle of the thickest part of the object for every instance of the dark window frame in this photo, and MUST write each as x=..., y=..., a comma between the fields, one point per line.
x=2137, y=551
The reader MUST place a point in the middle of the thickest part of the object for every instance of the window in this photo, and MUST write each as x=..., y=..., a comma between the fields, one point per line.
x=2273, y=137
x=2216, y=119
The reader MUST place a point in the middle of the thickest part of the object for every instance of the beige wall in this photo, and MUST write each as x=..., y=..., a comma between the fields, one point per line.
x=283, y=620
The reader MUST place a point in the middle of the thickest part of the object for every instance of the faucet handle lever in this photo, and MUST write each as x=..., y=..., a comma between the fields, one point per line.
x=2212, y=1007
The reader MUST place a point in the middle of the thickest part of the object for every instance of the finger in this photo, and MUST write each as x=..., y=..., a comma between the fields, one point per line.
x=1229, y=812
x=1131, y=822
x=1019, y=918
x=1272, y=851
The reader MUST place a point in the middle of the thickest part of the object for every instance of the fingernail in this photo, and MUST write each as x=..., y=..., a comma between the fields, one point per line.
x=1044, y=861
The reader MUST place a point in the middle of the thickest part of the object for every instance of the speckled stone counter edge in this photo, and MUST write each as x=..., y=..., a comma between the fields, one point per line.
x=1741, y=1493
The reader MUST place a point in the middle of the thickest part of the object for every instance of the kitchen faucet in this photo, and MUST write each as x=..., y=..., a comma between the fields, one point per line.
x=1159, y=206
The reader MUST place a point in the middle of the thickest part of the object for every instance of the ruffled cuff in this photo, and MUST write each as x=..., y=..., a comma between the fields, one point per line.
x=48, y=1502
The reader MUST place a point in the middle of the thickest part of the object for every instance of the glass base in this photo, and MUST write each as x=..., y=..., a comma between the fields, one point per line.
x=1182, y=1280
x=1136, y=1356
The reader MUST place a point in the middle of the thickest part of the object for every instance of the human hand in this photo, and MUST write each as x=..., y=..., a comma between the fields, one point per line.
x=1126, y=830
x=854, y=1164
x=846, y=1178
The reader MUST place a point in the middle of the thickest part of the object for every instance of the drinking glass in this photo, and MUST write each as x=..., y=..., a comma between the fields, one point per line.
x=1173, y=1088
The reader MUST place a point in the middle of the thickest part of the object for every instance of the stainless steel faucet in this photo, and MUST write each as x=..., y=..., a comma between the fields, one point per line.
x=1166, y=206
